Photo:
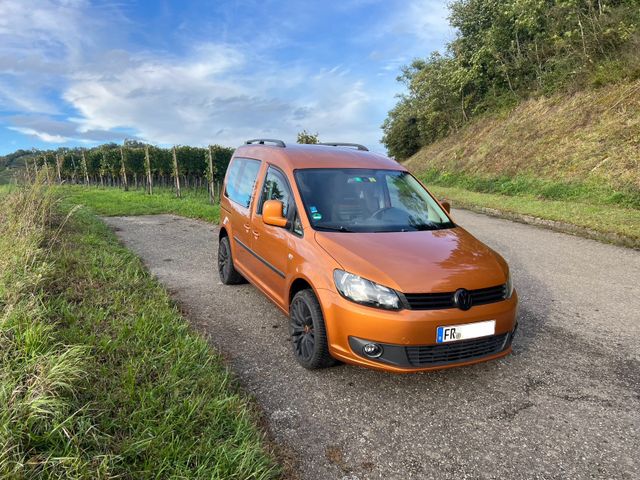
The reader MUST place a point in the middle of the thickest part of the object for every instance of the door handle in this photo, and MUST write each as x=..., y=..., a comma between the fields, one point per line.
x=255, y=234
x=247, y=227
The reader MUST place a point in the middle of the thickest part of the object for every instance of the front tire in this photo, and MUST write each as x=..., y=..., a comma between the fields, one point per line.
x=308, y=332
x=228, y=274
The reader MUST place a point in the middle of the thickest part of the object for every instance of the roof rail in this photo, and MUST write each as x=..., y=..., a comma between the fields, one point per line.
x=262, y=141
x=341, y=144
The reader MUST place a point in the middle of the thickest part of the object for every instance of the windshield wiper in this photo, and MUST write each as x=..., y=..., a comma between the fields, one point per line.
x=433, y=226
x=334, y=228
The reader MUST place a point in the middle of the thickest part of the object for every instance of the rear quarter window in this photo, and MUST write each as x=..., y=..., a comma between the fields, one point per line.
x=241, y=178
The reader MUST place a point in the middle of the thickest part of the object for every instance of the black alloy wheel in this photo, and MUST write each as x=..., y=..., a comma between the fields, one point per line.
x=226, y=270
x=308, y=333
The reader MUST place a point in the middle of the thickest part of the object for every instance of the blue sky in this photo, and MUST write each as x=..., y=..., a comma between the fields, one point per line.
x=75, y=72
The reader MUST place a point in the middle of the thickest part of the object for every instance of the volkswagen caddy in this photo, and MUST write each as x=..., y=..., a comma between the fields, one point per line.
x=370, y=268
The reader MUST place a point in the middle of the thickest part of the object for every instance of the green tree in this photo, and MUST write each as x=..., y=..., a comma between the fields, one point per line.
x=508, y=50
x=308, y=138
x=401, y=131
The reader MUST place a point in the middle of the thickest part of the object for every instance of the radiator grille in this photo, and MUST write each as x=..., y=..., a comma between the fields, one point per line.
x=432, y=355
x=438, y=301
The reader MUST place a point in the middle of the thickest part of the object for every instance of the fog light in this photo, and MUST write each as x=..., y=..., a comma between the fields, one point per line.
x=372, y=350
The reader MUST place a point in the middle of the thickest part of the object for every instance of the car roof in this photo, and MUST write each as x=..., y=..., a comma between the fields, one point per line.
x=293, y=157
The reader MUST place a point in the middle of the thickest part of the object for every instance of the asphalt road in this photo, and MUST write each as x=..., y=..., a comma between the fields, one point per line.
x=565, y=404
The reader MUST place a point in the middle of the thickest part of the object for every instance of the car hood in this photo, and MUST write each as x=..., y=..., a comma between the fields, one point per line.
x=417, y=262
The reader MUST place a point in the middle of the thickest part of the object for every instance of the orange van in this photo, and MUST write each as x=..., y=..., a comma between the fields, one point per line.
x=369, y=267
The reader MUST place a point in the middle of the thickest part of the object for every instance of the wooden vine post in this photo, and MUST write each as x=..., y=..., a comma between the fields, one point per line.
x=73, y=171
x=210, y=174
x=175, y=172
x=85, y=171
x=58, y=162
x=46, y=166
x=123, y=171
x=147, y=167
x=26, y=165
x=103, y=166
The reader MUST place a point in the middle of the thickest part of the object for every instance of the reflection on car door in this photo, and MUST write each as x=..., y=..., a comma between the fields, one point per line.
x=270, y=243
x=239, y=189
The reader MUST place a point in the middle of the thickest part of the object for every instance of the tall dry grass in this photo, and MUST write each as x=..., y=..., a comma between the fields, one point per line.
x=37, y=371
x=100, y=376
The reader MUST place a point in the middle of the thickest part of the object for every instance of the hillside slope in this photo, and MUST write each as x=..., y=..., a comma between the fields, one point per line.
x=592, y=135
x=12, y=164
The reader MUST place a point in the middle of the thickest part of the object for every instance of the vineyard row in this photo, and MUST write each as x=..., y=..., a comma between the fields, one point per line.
x=135, y=164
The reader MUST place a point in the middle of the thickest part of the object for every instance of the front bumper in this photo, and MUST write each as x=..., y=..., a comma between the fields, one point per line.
x=408, y=337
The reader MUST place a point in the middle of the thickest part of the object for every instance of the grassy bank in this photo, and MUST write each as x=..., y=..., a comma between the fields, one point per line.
x=100, y=377
x=607, y=221
x=6, y=176
x=113, y=201
x=590, y=137
x=539, y=188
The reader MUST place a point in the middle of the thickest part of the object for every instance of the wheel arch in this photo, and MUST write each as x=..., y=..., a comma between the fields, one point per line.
x=298, y=285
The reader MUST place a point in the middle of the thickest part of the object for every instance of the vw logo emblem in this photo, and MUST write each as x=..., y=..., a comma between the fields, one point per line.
x=462, y=299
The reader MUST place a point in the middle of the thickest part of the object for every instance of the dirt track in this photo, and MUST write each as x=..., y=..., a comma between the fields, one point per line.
x=566, y=404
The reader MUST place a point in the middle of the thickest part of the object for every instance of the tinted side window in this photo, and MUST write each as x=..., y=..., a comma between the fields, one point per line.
x=275, y=187
x=241, y=179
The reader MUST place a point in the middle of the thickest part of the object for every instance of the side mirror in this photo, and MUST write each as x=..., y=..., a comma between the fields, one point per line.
x=272, y=213
x=446, y=205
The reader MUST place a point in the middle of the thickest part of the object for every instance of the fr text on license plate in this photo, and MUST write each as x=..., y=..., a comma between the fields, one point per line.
x=451, y=333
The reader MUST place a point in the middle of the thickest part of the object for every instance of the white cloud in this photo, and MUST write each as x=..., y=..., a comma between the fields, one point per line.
x=24, y=98
x=59, y=131
x=217, y=95
x=47, y=24
x=61, y=56
x=44, y=136
x=40, y=44
x=425, y=19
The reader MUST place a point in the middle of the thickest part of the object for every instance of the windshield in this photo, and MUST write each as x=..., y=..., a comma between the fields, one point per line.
x=363, y=200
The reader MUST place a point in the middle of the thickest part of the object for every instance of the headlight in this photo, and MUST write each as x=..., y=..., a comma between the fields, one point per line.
x=365, y=292
x=508, y=287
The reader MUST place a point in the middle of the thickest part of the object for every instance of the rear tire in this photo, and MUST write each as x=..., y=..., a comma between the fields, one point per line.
x=308, y=332
x=228, y=274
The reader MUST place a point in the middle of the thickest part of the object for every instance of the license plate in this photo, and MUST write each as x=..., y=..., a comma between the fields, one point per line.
x=451, y=333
